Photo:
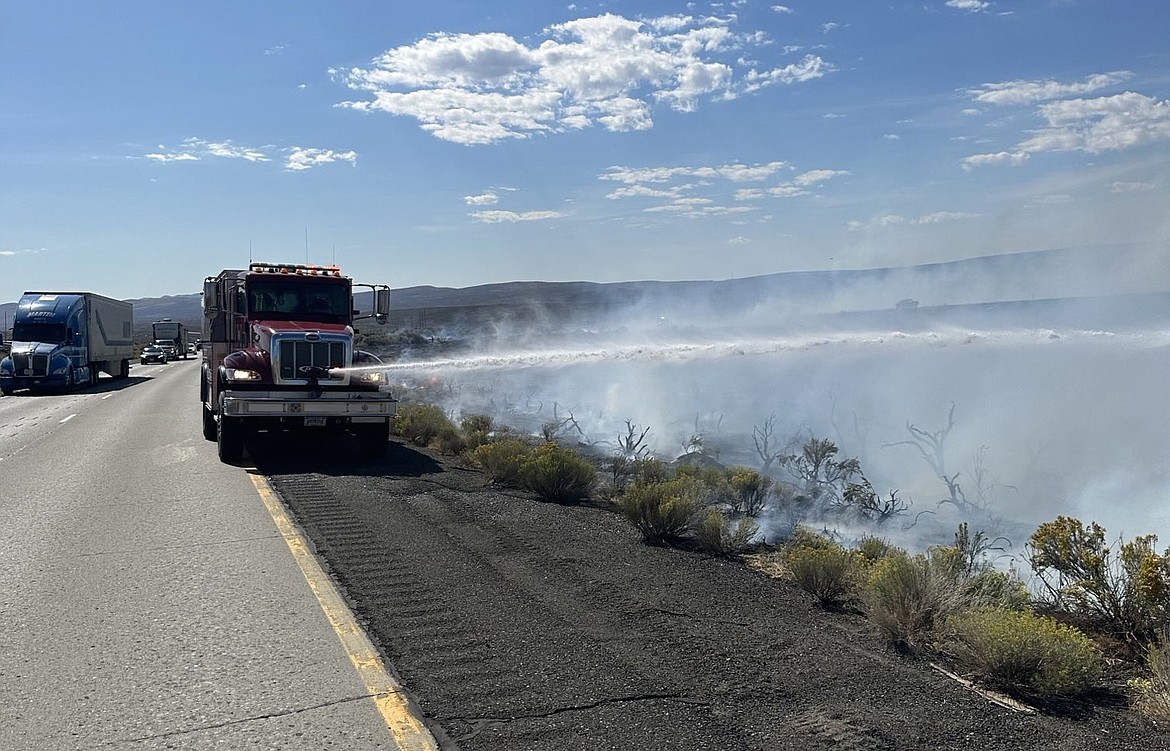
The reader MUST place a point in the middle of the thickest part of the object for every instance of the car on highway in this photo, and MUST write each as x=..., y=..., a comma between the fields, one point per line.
x=168, y=347
x=153, y=353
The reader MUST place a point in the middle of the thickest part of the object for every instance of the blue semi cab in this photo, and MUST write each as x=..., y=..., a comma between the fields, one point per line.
x=63, y=340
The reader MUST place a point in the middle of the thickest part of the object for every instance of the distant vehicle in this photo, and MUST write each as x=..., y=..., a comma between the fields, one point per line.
x=153, y=353
x=174, y=332
x=169, y=347
x=278, y=354
x=191, y=349
x=62, y=340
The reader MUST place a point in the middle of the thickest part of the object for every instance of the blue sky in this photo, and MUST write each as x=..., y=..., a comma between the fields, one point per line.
x=146, y=145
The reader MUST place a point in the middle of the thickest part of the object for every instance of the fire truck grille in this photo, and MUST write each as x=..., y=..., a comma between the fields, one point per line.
x=295, y=355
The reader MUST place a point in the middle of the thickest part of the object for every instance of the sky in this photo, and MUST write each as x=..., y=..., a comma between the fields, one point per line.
x=146, y=145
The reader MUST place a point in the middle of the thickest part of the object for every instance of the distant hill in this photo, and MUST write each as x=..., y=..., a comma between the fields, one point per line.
x=1030, y=277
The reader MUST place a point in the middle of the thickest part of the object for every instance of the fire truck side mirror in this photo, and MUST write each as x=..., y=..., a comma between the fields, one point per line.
x=382, y=304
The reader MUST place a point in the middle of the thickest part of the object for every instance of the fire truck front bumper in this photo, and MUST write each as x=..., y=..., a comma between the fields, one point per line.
x=308, y=408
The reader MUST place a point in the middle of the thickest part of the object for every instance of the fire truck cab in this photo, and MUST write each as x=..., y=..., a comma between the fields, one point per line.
x=278, y=355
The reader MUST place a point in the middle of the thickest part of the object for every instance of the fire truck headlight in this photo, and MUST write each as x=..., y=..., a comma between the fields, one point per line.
x=370, y=376
x=240, y=374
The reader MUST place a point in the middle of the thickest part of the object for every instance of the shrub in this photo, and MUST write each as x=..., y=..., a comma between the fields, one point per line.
x=907, y=596
x=1153, y=694
x=719, y=535
x=1125, y=586
x=749, y=489
x=828, y=572
x=873, y=549
x=712, y=480
x=501, y=459
x=557, y=474
x=662, y=511
x=477, y=430
x=450, y=440
x=421, y=423
x=1023, y=653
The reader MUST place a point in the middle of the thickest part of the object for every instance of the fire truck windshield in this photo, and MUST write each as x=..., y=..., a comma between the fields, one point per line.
x=296, y=298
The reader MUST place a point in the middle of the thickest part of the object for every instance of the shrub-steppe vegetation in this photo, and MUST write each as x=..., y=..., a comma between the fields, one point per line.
x=1093, y=617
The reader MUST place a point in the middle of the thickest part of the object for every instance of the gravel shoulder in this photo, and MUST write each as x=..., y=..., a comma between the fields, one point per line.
x=518, y=624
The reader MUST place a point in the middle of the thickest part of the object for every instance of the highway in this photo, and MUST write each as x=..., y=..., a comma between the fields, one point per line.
x=154, y=598
x=147, y=595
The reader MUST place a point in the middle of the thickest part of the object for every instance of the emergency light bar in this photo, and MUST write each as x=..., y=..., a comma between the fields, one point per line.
x=303, y=269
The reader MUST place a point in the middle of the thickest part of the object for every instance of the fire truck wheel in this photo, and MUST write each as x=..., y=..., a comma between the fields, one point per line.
x=209, y=426
x=230, y=439
x=93, y=374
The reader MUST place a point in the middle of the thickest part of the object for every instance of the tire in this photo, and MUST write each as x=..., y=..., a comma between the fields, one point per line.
x=124, y=371
x=373, y=439
x=229, y=439
x=210, y=430
x=93, y=375
x=6, y=391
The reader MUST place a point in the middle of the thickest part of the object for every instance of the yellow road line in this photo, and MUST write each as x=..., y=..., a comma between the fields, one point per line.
x=407, y=729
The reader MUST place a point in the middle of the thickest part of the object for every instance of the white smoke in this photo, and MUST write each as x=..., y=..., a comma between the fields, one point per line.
x=1046, y=421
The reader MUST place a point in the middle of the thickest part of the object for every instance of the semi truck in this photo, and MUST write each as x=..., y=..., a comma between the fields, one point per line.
x=63, y=340
x=172, y=334
x=278, y=355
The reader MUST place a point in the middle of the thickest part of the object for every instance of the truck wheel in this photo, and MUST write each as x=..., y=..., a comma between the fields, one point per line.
x=210, y=431
x=373, y=438
x=93, y=374
x=124, y=371
x=230, y=439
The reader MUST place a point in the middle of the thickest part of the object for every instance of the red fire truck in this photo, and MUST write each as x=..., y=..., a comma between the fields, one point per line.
x=278, y=355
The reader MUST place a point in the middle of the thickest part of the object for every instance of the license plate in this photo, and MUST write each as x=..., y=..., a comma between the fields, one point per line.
x=28, y=371
x=314, y=421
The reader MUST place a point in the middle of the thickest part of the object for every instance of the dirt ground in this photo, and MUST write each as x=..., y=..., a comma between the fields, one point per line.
x=517, y=624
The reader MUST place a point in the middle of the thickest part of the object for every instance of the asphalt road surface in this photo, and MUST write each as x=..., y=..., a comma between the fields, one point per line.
x=147, y=598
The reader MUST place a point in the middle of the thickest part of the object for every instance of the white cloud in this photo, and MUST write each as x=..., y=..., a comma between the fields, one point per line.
x=229, y=150
x=300, y=158
x=605, y=70
x=163, y=158
x=812, y=177
x=1029, y=92
x=496, y=216
x=974, y=6
x=1130, y=187
x=193, y=149
x=1013, y=158
x=1103, y=124
x=807, y=69
x=738, y=240
x=740, y=173
x=1093, y=126
x=942, y=216
x=681, y=183
x=894, y=220
x=483, y=199
x=781, y=9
